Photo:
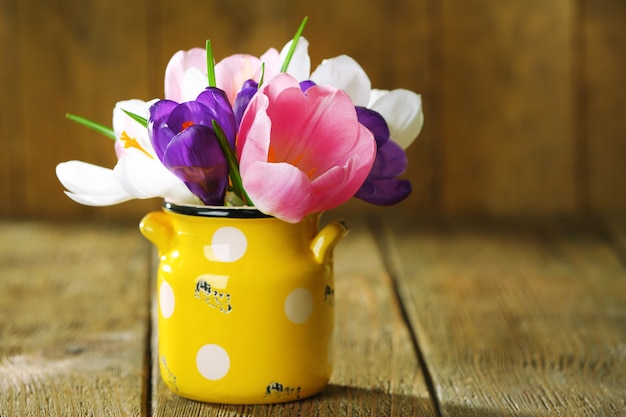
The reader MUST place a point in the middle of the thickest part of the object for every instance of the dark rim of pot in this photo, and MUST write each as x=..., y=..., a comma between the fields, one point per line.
x=215, y=211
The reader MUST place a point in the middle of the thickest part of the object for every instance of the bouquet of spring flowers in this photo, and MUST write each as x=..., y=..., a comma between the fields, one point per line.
x=262, y=132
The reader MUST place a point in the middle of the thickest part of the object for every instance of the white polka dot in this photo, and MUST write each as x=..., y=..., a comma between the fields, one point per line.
x=166, y=300
x=228, y=244
x=212, y=362
x=299, y=305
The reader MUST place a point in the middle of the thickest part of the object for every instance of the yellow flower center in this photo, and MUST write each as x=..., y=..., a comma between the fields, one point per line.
x=132, y=143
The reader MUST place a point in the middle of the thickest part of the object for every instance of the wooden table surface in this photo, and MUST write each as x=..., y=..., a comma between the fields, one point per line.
x=434, y=318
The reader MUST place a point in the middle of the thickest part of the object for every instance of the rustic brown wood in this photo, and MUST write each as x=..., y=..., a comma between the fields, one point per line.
x=10, y=116
x=616, y=230
x=508, y=318
x=73, y=319
x=507, y=104
x=76, y=57
x=376, y=370
x=523, y=100
x=605, y=66
x=515, y=319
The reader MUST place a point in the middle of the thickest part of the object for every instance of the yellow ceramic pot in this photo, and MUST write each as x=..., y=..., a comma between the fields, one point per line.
x=245, y=303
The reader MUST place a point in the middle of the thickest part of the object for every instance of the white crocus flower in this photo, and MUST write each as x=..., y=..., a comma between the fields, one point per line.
x=401, y=109
x=137, y=174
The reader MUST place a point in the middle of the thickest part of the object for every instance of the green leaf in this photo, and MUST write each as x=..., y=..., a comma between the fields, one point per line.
x=262, y=75
x=210, y=64
x=141, y=120
x=292, y=49
x=233, y=165
x=106, y=131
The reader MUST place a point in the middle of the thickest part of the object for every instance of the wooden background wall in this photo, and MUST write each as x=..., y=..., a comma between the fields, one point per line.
x=524, y=99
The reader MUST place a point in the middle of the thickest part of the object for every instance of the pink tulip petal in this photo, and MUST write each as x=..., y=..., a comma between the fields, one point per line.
x=231, y=72
x=175, y=70
x=272, y=60
x=302, y=152
x=281, y=190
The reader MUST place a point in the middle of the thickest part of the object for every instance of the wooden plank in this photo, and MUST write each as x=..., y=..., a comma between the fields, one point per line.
x=616, y=228
x=516, y=319
x=506, y=84
x=10, y=107
x=376, y=371
x=73, y=319
x=77, y=57
x=604, y=37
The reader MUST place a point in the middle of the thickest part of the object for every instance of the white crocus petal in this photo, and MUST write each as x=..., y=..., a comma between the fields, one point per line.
x=300, y=64
x=402, y=110
x=344, y=73
x=193, y=83
x=124, y=123
x=131, y=136
x=98, y=200
x=375, y=94
x=90, y=184
x=146, y=178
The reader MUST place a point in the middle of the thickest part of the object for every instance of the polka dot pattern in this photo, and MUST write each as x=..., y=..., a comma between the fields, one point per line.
x=167, y=301
x=299, y=305
x=212, y=362
x=228, y=244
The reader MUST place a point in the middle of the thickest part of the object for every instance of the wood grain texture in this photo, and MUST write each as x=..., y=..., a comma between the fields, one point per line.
x=516, y=319
x=375, y=367
x=523, y=99
x=10, y=115
x=70, y=57
x=507, y=146
x=73, y=320
x=604, y=36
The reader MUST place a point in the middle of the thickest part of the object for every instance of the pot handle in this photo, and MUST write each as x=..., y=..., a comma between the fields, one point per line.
x=323, y=244
x=157, y=227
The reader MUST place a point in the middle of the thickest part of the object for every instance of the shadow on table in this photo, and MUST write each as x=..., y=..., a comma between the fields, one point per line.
x=334, y=400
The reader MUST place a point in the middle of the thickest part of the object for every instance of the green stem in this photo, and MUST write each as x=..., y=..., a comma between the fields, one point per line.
x=233, y=165
x=292, y=49
x=262, y=76
x=106, y=131
x=141, y=120
x=210, y=64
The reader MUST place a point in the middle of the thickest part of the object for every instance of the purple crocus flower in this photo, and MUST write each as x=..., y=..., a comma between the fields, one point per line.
x=382, y=186
x=184, y=140
x=248, y=90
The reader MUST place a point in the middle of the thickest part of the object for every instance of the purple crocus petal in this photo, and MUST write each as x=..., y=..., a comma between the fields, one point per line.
x=375, y=123
x=243, y=98
x=382, y=187
x=160, y=134
x=188, y=114
x=391, y=161
x=220, y=110
x=385, y=191
x=194, y=156
x=306, y=84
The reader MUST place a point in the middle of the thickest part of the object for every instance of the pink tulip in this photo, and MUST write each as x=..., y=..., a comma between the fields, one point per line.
x=184, y=64
x=185, y=74
x=302, y=153
x=232, y=71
